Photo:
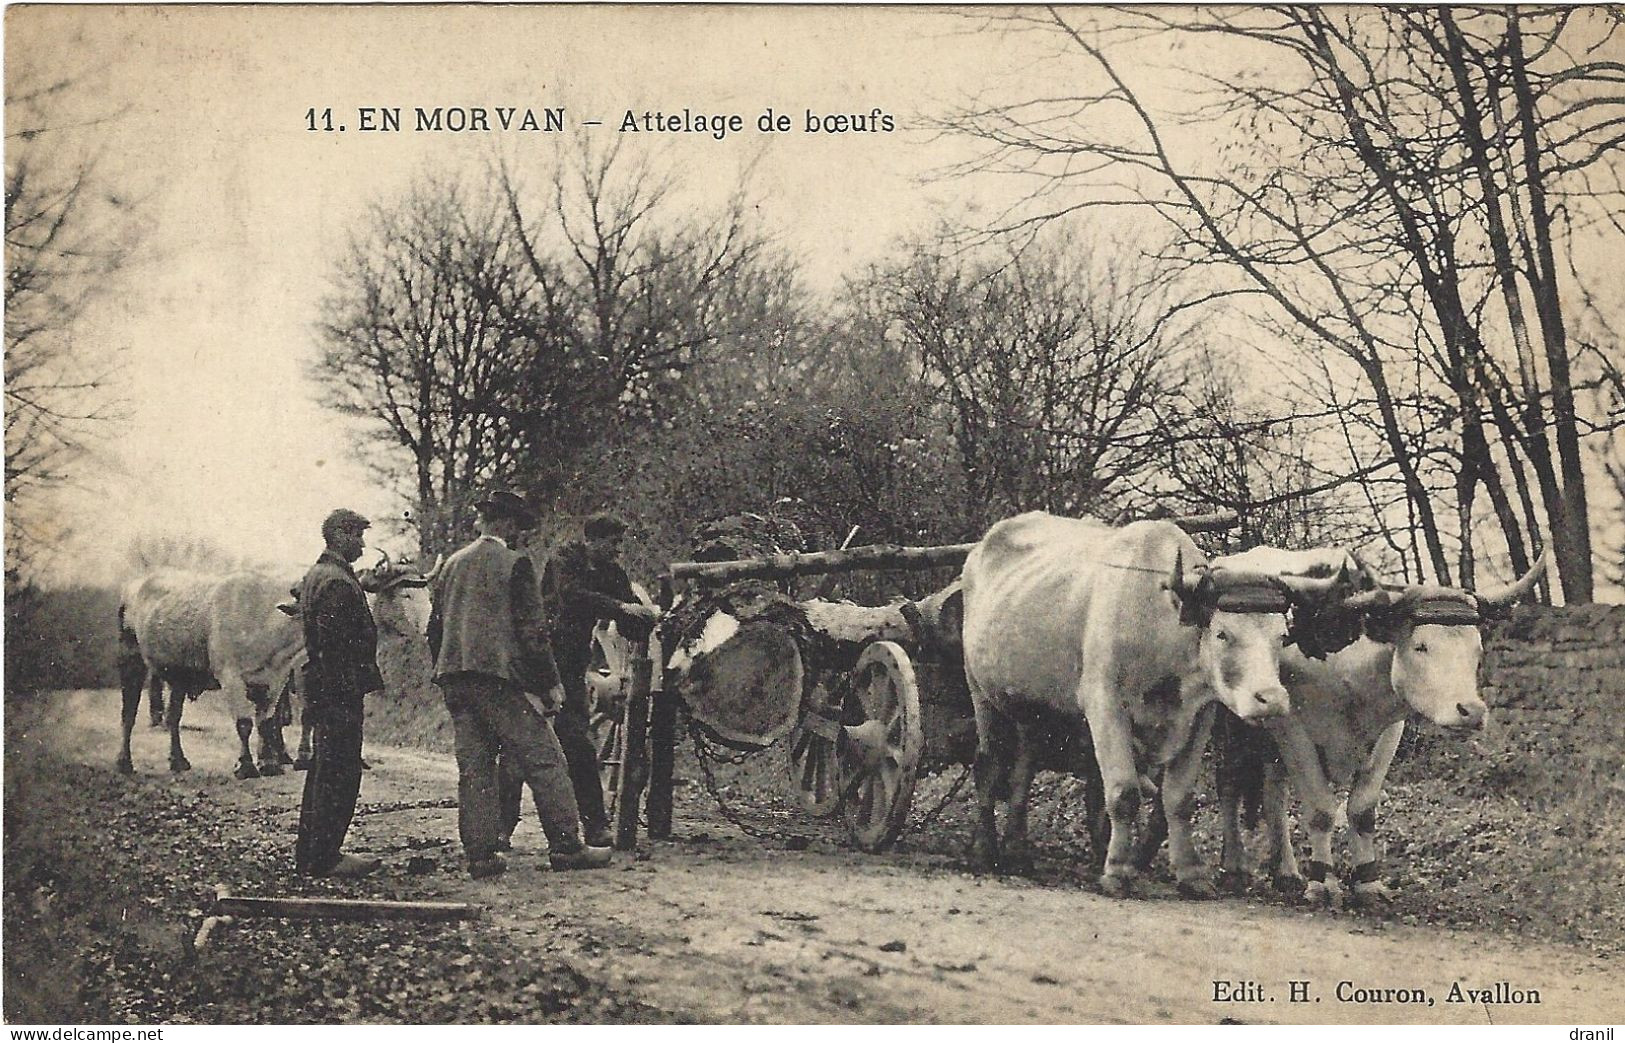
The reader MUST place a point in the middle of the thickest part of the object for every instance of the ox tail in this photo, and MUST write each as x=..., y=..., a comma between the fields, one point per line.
x=1243, y=751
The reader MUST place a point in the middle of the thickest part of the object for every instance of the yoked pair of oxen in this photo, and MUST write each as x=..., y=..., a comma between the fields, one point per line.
x=1130, y=633
x=240, y=633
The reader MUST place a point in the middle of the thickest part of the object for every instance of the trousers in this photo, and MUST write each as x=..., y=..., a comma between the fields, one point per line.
x=331, y=787
x=572, y=726
x=492, y=717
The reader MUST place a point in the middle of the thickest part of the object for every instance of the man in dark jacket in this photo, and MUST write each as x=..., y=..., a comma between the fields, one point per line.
x=489, y=640
x=342, y=644
x=582, y=584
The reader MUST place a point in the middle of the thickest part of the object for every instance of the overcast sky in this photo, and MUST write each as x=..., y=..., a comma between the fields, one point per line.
x=247, y=208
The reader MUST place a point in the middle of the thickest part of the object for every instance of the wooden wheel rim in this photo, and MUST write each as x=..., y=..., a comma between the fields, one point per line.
x=815, y=775
x=607, y=735
x=881, y=762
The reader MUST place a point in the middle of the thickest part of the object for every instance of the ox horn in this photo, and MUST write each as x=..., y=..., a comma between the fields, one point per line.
x=1506, y=595
x=1306, y=587
x=1178, y=583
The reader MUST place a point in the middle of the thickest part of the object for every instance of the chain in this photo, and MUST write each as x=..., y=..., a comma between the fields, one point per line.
x=921, y=821
x=705, y=753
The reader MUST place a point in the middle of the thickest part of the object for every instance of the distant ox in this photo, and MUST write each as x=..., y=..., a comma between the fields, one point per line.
x=1124, y=633
x=1417, y=651
x=400, y=609
x=197, y=633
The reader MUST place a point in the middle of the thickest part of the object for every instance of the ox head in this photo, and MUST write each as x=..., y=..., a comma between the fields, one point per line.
x=1435, y=634
x=1244, y=618
x=388, y=575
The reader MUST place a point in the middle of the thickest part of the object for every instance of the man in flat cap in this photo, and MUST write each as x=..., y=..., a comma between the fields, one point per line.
x=582, y=584
x=342, y=643
x=488, y=637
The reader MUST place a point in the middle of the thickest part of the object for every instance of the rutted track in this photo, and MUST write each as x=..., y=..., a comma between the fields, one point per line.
x=717, y=927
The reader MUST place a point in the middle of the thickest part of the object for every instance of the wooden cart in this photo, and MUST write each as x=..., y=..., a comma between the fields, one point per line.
x=886, y=702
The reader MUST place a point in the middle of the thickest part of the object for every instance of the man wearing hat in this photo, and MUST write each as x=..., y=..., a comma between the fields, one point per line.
x=488, y=637
x=342, y=644
x=582, y=584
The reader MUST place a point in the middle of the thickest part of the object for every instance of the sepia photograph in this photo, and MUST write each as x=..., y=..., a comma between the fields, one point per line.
x=782, y=515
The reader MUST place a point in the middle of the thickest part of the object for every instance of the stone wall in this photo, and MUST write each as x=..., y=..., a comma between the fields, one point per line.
x=1555, y=682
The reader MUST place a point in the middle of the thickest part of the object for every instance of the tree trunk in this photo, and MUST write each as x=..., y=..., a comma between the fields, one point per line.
x=1571, y=523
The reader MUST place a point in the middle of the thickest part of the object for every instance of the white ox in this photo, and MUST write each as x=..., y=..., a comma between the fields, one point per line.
x=400, y=611
x=1112, y=631
x=1418, y=653
x=198, y=633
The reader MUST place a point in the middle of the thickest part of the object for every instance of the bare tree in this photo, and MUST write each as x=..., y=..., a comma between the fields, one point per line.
x=69, y=233
x=640, y=284
x=501, y=337
x=1049, y=364
x=428, y=332
x=1384, y=180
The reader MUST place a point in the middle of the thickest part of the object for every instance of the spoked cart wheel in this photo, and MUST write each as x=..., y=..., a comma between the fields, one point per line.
x=814, y=769
x=609, y=740
x=879, y=758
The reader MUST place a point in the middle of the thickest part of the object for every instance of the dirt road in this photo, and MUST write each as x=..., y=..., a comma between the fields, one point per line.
x=714, y=926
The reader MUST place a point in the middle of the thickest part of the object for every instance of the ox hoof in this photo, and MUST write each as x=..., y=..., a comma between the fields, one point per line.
x=1199, y=887
x=270, y=769
x=155, y=722
x=303, y=763
x=1289, y=885
x=1319, y=892
x=246, y=770
x=283, y=758
x=125, y=767
x=179, y=764
x=1116, y=885
x=1235, y=881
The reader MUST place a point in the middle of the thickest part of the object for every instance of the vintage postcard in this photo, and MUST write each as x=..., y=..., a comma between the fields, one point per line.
x=665, y=514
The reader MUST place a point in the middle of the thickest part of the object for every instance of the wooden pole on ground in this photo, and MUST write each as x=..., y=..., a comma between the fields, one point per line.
x=342, y=909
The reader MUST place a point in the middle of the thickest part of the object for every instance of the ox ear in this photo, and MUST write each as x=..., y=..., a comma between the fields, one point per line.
x=287, y=608
x=1194, y=594
x=1385, y=621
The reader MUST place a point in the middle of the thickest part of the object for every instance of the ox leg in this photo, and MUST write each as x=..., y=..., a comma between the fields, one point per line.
x=993, y=740
x=284, y=717
x=1320, y=803
x=245, y=759
x=1366, y=876
x=1153, y=830
x=1179, y=804
x=1120, y=783
x=270, y=755
x=263, y=720
x=1234, y=876
x=155, y=700
x=132, y=676
x=1239, y=770
x=1016, y=853
x=307, y=751
x=178, y=694
x=1285, y=876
